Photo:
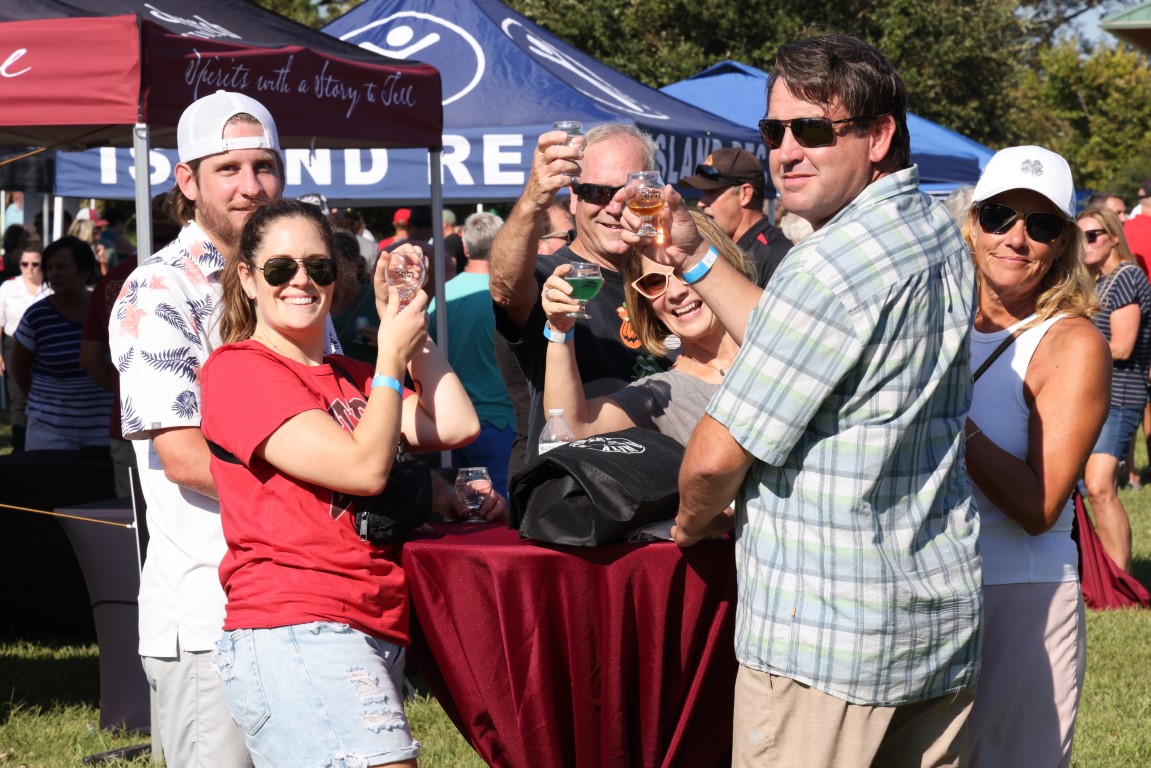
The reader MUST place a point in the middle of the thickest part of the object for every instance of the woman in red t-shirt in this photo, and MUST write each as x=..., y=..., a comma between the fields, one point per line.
x=312, y=653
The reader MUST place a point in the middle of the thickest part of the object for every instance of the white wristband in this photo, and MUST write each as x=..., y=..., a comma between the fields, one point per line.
x=700, y=270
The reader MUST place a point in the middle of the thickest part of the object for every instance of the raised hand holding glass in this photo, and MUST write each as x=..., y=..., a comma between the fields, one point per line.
x=586, y=281
x=407, y=272
x=645, y=199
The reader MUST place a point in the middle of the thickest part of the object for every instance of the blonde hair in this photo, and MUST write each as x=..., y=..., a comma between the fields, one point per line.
x=1067, y=288
x=1114, y=228
x=649, y=329
x=83, y=229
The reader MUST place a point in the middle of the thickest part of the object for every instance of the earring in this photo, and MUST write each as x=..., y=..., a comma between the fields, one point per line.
x=251, y=295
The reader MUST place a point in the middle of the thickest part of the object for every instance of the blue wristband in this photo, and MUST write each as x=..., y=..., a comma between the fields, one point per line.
x=380, y=380
x=551, y=334
x=700, y=270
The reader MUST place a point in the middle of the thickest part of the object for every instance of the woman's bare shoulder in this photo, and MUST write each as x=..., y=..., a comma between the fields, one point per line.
x=1074, y=344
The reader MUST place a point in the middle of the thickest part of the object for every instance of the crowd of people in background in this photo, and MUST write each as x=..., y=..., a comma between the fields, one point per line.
x=878, y=380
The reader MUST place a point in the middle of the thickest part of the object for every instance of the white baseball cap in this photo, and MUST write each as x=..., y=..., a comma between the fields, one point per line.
x=1034, y=168
x=201, y=129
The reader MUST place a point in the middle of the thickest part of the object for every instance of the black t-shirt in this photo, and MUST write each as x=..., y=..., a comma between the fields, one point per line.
x=767, y=246
x=607, y=352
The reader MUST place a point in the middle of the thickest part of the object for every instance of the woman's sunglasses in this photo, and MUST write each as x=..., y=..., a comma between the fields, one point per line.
x=808, y=132
x=596, y=194
x=281, y=269
x=33, y=264
x=654, y=284
x=1093, y=234
x=1040, y=227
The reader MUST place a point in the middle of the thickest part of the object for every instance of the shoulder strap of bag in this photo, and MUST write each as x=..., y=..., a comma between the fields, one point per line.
x=1001, y=349
x=223, y=454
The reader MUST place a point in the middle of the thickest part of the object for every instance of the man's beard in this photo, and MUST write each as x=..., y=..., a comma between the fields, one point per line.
x=220, y=226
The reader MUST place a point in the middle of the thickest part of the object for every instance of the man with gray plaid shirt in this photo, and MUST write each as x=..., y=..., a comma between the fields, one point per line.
x=839, y=431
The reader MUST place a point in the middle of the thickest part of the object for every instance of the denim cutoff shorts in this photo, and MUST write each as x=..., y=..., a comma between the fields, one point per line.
x=1117, y=432
x=316, y=694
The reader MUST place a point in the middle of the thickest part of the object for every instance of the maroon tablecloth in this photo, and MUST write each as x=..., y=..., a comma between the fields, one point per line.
x=559, y=656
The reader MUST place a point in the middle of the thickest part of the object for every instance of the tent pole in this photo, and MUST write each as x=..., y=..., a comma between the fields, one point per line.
x=438, y=255
x=142, y=145
x=57, y=217
x=438, y=247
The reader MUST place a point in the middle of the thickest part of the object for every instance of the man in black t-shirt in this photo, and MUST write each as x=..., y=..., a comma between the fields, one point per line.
x=732, y=184
x=607, y=351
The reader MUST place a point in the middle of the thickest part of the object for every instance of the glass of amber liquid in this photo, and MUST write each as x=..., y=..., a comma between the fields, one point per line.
x=645, y=198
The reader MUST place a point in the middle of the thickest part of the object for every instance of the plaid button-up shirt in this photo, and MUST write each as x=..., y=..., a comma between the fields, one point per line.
x=858, y=568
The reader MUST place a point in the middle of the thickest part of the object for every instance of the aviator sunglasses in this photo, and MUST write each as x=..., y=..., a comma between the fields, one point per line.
x=654, y=284
x=281, y=269
x=1040, y=227
x=1093, y=234
x=596, y=194
x=808, y=132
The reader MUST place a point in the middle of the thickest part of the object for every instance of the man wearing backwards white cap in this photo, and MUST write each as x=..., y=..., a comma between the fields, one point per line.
x=163, y=327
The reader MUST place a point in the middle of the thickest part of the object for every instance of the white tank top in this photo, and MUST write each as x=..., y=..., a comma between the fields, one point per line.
x=1010, y=554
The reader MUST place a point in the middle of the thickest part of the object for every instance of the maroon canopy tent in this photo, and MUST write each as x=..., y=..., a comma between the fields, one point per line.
x=75, y=81
x=76, y=73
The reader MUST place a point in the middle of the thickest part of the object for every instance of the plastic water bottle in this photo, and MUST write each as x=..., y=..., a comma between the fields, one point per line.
x=555, y=432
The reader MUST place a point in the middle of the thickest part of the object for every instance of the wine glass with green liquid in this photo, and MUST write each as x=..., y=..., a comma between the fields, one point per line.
x=586, y=281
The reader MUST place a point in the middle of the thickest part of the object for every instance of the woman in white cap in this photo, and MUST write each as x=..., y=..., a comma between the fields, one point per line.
x=1125, y=319
x=1034, y=351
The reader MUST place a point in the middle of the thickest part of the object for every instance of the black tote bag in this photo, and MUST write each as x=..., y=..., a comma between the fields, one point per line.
x=599, y=489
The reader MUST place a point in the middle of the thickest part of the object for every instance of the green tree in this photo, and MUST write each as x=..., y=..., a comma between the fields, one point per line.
x=956, y=78
x=1095, y=111
x=311, y=13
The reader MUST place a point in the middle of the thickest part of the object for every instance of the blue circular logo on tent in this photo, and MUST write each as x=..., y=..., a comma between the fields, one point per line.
x=433, y=40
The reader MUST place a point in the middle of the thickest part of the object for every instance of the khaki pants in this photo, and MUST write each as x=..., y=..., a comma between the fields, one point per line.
x=195, y=728
x=780, y=723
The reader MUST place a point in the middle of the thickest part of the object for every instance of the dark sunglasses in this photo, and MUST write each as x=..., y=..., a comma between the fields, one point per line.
x=281, y=269
x=1093, y=234
x=654, y=284
x=1040, y=227
x=596, y=194
x=808, y=132
x=37, y=264
x=711, y=173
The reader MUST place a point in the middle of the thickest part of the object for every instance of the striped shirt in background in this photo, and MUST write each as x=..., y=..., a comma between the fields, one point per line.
x=856, y=533
x=1119, y=288
x=63, y=397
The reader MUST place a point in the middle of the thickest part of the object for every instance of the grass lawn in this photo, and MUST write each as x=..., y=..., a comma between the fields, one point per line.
x=49, y=692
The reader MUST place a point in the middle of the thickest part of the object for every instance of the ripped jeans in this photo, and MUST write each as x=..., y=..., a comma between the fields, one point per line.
x=316, y=694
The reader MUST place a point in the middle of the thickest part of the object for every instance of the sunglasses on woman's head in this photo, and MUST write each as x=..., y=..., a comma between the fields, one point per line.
x=1040, y=227
x=654, y=284
x=596, y=194
x=1093, y=234
x=281, y=269
x=808, y=132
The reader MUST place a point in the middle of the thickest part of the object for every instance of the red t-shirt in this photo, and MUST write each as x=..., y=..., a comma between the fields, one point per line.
x=293, y=555
x=1137, y=230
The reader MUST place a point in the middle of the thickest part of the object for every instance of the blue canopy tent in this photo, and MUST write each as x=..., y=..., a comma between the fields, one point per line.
x=504, y=81
x=738, y=92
